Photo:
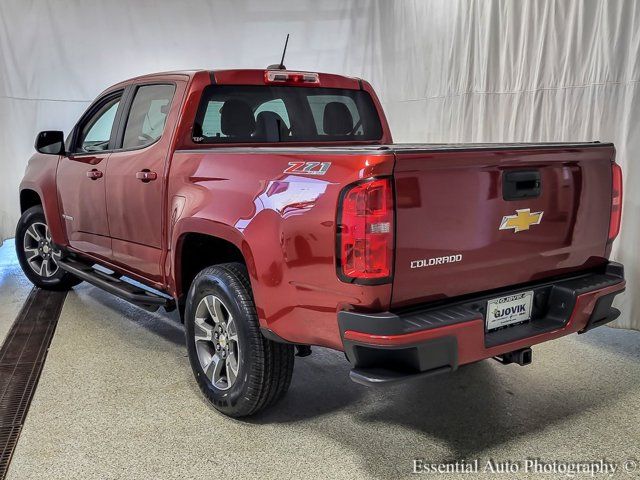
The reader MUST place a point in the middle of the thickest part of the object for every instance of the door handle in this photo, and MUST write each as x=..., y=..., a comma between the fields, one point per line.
x=146, y=175
x=94, y=174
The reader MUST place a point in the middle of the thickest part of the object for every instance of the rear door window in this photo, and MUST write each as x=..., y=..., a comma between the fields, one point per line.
x=148, y=115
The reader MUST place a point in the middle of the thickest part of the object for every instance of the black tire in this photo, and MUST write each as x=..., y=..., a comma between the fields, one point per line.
x=265, y=367
x=60, y=280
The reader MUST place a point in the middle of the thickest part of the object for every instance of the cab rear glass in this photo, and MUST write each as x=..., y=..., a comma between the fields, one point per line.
x=274, y=114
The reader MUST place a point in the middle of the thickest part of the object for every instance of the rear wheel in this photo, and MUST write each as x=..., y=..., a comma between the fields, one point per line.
x=37, y=254
x=237, y=369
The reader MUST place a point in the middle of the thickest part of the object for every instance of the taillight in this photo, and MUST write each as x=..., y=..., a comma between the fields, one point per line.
x=616, y=201
x=286, y=77
x=366, y=231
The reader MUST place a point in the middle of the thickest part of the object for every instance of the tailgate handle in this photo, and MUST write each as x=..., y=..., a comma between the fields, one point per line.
x=521, y=184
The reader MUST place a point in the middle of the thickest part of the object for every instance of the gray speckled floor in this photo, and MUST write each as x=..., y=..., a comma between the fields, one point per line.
x=116, y=400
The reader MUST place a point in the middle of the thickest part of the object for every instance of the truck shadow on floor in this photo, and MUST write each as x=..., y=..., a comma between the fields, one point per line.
x=613, y=340
x=165, y=325
x=480, y=407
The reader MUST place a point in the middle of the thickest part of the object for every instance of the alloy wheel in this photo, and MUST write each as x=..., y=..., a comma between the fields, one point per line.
x=39, y=251
x=217, y=345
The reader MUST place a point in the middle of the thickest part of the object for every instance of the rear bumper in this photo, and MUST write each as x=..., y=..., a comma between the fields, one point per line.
x=390, y=347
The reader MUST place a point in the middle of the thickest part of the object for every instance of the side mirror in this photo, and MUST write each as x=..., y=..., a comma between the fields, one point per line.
x=50, y=142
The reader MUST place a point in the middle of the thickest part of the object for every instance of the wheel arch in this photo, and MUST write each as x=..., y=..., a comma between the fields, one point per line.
x=199, y=243
x=29, y=198
x=39, y=185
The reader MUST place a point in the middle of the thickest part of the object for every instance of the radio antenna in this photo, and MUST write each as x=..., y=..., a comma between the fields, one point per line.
x=281, y=66
x=284, y=52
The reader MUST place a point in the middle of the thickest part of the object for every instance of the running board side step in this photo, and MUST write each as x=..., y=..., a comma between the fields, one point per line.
x=113, y=284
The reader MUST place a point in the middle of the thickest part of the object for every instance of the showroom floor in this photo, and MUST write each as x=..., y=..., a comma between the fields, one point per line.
x=117, y=400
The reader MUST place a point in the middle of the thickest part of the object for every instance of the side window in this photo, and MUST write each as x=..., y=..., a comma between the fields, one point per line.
x=336, y=104
x=148, y=115
x=95, y=132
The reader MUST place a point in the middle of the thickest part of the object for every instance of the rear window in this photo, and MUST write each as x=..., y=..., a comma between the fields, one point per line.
x=255, y=113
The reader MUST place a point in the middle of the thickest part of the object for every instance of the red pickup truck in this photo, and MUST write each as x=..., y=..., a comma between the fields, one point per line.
x=273, y=210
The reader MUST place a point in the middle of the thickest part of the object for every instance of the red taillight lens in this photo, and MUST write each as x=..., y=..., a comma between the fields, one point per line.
x=365, y=226
x=616, y=201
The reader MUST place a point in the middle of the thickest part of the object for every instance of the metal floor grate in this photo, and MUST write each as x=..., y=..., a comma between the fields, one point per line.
x=21, y=360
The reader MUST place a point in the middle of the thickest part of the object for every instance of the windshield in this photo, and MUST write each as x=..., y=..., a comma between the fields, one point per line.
x=240, y=114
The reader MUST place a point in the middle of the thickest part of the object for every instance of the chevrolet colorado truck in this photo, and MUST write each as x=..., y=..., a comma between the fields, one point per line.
x=272, y=208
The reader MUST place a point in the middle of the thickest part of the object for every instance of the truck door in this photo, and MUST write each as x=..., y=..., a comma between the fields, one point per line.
x=80, y=177
x=135, y=177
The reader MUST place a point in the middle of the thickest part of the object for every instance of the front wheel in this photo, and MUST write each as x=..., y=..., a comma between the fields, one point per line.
x=37, y=254
x=236, y=367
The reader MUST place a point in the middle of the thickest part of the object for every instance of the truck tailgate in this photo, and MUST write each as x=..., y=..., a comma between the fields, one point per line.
x=476, y=218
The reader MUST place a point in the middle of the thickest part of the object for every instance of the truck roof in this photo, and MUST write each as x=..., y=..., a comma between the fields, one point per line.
x=249, y=77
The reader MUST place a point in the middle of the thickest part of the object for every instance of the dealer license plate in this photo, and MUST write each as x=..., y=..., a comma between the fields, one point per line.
x=508, y=310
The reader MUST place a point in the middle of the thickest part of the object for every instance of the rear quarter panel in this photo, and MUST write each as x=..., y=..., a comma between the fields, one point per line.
x=285, y=226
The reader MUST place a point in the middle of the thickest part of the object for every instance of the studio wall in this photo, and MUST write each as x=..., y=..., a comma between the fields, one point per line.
x=498, y=71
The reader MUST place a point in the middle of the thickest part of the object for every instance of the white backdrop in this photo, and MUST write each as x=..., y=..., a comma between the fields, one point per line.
x=445, y=70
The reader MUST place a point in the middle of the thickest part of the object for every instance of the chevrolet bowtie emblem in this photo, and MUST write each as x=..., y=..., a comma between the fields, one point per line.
x=522, y=220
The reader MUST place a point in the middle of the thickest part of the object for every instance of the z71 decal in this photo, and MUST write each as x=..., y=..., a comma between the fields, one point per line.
x=308, y=168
